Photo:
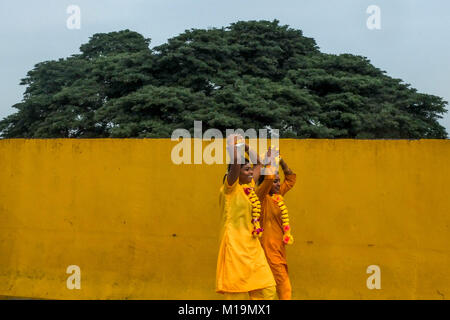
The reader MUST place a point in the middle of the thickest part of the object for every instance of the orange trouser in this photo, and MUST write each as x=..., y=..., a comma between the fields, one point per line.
x=260, y=294
x=280, y=273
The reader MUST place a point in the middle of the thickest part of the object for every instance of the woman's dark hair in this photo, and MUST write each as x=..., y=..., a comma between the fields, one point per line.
x=246, y=161
x=260, y=180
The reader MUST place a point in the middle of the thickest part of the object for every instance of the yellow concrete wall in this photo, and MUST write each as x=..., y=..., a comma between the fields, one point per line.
x=141, y=227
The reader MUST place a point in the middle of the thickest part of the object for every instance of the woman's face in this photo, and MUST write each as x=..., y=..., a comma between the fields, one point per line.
x=246, y=174
x=276, y=185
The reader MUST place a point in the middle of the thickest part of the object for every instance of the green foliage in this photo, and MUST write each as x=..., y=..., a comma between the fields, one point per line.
x=254, y=74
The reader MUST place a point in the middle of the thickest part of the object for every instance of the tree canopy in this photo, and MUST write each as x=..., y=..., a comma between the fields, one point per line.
x=251, y=74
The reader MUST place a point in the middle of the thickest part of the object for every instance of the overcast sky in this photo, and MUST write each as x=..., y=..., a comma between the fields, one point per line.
x=413, y=43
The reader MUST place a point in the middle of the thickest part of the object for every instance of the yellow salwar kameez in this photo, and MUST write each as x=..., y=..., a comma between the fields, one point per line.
x=242, y=267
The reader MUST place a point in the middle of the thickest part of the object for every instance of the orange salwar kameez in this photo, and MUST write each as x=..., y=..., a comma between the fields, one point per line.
x=272, y=237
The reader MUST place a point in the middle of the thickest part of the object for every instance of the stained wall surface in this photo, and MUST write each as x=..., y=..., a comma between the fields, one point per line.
x=141, y=227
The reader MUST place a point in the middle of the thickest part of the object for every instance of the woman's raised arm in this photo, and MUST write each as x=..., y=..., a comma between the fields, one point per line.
x=289, y=178
x=235, y=167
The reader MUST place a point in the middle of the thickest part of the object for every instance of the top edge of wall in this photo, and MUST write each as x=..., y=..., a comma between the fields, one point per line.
x=289, y=139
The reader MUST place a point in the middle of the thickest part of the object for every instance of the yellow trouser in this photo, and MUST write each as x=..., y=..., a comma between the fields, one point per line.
x=268, y=293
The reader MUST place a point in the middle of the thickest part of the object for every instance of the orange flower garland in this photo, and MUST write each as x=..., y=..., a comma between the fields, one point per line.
x=287, y=236
x=256, y=210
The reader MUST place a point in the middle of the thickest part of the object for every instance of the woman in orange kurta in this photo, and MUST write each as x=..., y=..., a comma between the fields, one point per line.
x=242, y=268
x=271, y=222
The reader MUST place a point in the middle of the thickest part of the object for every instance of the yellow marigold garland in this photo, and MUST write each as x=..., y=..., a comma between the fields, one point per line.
x=256, y=210
x=287, y=236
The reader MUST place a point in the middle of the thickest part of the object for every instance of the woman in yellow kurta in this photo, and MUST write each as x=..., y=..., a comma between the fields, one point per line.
x=242, y=268
x=276, y=228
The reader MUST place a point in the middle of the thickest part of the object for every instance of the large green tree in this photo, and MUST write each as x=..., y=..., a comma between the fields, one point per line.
x=253, y=74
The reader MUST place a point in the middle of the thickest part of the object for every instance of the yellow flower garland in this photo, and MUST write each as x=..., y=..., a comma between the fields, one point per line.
x=256, y=210
x=287, y=236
